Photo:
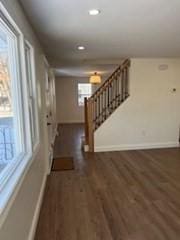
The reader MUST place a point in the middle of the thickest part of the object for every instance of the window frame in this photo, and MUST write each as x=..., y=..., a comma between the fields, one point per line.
x=14, y=174
x=18, y=88
x=81, y=83
x=33, y=80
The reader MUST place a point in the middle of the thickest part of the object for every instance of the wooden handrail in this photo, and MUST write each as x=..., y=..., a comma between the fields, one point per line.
x=126, y=63
x=110, y=95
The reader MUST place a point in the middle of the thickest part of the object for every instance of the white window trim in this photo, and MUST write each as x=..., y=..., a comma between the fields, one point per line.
x=10, y=191
x=82, y=94
x=34, y=83
x=16, y=72
x=15, y=177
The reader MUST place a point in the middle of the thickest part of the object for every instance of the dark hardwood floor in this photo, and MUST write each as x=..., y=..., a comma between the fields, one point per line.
x=69, y=143
x=128, y=195
x=69, y=140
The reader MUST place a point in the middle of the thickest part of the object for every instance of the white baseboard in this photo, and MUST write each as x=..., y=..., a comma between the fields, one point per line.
x=136, y=146
x=50, y=162
x=37, y=210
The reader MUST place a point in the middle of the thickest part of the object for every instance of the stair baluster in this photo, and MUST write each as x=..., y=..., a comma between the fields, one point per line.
x=111, y=94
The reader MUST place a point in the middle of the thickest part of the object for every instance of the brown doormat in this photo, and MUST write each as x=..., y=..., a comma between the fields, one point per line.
x=63, y=163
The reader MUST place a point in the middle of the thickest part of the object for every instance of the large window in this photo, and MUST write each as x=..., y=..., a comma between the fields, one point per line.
x=18, y=111
x=84, y=90
x=11, y=104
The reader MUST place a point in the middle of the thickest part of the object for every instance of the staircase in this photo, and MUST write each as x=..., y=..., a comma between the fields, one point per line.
x=110, y=95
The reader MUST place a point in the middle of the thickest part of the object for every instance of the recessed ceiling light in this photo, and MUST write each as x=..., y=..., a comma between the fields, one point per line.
x=94, y=12
x=81, y=48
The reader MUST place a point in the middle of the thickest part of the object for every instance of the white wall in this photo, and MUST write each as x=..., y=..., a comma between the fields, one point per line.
x=150, y=117
x=68, y=110
x=67, y=107
x=18, y=221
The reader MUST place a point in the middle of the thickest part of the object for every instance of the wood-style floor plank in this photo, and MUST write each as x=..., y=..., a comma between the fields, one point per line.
x=128, y=195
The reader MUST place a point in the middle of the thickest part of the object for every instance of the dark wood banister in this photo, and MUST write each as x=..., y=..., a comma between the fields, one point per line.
x=125, y=63
x=110, y=95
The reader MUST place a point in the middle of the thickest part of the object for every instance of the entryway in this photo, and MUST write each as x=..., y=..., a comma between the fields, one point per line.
x=69, y=142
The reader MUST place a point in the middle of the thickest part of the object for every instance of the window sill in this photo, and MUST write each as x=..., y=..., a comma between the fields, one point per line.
x=12, y=186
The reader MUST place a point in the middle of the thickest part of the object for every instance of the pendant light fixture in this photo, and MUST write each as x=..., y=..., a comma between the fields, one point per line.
x=95, y=78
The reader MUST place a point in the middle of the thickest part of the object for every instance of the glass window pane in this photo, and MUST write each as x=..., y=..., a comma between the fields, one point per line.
x=8, y=143
x=84, y=90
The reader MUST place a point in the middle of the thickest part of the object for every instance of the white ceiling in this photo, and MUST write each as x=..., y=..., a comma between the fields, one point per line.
x=85, y=70
x=125, y=28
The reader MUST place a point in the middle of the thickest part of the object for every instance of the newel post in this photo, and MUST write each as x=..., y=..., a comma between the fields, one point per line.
x=90, y=124
x=86, y=121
